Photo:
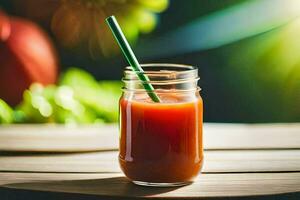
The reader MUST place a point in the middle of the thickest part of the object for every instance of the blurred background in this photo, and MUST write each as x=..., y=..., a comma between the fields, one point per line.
x=247, y=52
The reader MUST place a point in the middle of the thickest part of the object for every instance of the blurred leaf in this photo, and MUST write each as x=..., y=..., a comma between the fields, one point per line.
x=35, y=107
x=55, y=104
x=78, y=78
x=155, y=5
x=102, y=98
x=78, y=99
x=146, y=20
x=6, y=113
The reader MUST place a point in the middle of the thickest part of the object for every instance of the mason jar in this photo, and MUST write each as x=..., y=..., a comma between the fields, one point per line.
x=161, y=143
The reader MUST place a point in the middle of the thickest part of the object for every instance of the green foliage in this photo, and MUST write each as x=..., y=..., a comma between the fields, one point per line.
x=102, y=97
x=77, y=99
x=6, y=113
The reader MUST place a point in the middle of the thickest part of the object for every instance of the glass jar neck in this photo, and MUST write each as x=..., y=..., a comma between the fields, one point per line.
x=163, y=77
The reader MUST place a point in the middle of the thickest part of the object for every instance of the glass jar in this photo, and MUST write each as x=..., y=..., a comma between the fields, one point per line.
x=161, y=143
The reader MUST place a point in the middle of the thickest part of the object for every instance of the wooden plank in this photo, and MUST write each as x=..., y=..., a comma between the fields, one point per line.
x=115, y=185
x=252, y=161
x=215, y=161
x=57, y=138
x=251, y=136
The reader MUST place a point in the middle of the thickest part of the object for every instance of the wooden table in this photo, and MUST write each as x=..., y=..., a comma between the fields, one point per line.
x=241, y=162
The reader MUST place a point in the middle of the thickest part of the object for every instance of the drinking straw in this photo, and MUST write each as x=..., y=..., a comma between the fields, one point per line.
x=130, y=57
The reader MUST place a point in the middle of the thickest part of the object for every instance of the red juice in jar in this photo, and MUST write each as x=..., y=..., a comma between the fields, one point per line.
x=161, y=143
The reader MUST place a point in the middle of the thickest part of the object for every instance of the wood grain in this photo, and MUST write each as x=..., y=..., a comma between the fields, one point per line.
x=215, y=161
x=57, y=138
x=251, y=136
x=240, y=160
x=115, y=185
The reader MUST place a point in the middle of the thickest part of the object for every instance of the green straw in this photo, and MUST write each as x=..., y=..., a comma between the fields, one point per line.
x=130, y=57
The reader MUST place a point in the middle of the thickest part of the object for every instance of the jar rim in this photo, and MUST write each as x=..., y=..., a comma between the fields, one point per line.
x=185, y=68
x=172, y=73
x=162, y=76
x=159, y=91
